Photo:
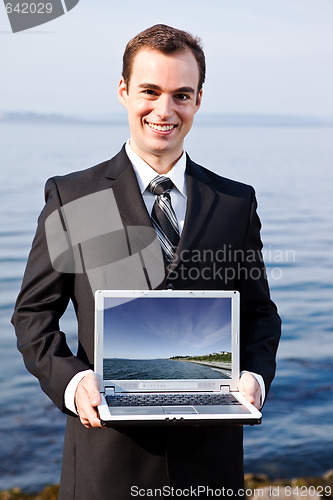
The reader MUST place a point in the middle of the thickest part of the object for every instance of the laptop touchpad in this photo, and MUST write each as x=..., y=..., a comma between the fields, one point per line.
x=136, y=410
x=179, y=410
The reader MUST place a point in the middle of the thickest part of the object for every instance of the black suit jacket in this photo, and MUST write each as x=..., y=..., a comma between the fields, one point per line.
x=220, y=248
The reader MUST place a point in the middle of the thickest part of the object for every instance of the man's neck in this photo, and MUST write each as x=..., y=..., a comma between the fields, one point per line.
x=162, y=164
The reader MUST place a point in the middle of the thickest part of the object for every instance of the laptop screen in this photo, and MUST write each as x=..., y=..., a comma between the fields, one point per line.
x=148, y=338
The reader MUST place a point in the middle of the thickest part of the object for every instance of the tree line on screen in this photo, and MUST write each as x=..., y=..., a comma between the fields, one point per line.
x=223, y=356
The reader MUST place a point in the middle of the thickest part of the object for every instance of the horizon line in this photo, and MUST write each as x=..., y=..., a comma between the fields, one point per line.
x=118, y=118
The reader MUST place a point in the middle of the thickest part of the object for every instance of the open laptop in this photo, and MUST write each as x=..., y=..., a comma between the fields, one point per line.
x=169, y=357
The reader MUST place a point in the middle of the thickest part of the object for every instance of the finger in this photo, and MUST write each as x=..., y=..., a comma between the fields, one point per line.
x=85, y=422
x=87, y=413
x=252, y=397
x=91, y=419
x=249, y=397
x=257, y=401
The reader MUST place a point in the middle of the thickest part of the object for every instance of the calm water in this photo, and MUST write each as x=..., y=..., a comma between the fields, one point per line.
x=291, y=169
x=145, y=369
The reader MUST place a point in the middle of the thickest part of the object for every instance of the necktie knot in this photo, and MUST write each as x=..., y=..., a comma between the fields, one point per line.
x=160, y=185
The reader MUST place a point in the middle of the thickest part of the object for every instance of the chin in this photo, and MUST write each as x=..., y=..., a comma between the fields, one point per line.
x=161, y=147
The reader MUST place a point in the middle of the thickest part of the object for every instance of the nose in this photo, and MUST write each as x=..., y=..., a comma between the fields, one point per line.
x=163, y=107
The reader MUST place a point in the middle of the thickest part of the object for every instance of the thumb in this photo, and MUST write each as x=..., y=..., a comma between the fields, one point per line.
x=95, y=398
x=92, y=387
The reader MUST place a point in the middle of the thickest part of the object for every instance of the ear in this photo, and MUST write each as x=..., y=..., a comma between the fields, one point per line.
x=122, y=92
x=198, y=103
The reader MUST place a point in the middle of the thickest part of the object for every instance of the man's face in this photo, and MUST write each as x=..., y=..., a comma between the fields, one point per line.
x=161, y=100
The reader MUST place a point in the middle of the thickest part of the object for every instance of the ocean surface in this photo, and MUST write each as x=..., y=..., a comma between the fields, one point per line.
x=168, y=369
x=291, y=170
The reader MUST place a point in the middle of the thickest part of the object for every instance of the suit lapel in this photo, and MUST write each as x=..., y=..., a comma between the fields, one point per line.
x=200, y=200
x=127, y=192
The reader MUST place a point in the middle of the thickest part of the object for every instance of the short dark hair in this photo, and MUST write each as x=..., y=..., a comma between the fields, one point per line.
x=167, y=40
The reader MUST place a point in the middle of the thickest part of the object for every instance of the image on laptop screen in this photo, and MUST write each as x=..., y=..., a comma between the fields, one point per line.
x=167, y=338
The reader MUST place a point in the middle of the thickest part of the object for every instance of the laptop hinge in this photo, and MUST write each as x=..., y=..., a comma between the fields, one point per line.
x=109, y=391
x=224, y=389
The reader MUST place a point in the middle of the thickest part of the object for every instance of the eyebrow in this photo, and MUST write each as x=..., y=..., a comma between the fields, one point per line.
x=153, y=86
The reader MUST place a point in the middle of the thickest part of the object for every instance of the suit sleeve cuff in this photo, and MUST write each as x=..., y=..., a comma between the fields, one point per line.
x=70, y=390
x=261, y=383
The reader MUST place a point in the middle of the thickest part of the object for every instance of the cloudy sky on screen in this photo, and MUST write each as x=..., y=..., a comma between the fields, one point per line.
x=164, y=327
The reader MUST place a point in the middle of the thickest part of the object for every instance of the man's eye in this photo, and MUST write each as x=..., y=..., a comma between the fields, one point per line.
x=182, y=97
x=149, y=92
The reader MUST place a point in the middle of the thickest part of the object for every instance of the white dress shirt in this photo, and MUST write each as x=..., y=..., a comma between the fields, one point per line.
x=145, y=174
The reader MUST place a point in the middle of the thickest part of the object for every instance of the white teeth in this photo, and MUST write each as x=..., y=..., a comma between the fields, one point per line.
x=162, y=128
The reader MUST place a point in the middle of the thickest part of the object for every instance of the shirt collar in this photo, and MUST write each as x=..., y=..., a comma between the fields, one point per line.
x=145, y=174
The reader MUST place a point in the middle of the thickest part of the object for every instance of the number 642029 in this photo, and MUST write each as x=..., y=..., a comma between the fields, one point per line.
x=29, y=8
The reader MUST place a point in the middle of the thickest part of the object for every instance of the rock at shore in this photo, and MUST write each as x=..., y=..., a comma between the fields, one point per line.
x=48, y=493
x=258, y=487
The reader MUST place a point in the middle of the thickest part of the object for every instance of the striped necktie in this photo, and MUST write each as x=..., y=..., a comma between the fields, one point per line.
x=163, y=216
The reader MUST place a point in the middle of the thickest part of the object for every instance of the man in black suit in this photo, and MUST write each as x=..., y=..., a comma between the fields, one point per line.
x=219, y=248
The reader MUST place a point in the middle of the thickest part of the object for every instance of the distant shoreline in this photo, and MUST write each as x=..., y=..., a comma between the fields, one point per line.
x=209, y=119
x=212, y=364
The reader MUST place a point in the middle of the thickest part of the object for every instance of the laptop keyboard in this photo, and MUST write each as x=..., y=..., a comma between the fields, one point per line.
x=171, y=399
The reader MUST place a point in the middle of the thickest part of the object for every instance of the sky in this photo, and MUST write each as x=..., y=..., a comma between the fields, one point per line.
x=147, y=328
x=263, y=57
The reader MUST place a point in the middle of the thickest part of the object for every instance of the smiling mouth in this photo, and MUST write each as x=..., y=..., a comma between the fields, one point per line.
x=161, y=128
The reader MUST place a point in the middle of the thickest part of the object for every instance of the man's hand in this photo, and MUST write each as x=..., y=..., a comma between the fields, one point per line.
x=250, y=388
x=87, y=397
